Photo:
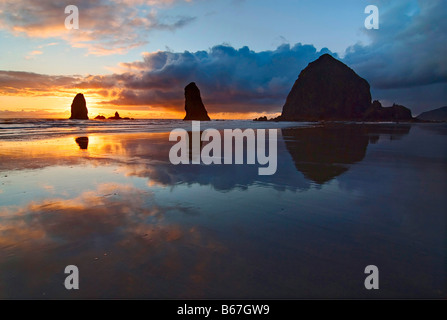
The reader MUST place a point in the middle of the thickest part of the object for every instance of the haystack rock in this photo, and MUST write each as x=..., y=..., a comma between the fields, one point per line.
x=327, y=89
x=79, y=108
x=195, y=110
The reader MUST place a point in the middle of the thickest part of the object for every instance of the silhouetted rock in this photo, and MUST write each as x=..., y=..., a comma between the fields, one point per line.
x=79, y=108
x=116, y=117
x=82, y=142
x=439, y=114
x=99, y=117
x=261, y=119
x=195, y=110
x=327, y=89
x=394, y=113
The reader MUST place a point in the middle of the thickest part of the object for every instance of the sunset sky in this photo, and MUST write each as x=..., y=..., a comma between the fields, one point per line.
x=136, y=56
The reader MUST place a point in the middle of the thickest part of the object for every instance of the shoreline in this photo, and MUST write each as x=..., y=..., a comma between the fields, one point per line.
x=63, y=128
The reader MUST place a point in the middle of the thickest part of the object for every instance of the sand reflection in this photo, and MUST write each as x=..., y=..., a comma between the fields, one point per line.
x=82, y=143
x=116, y=232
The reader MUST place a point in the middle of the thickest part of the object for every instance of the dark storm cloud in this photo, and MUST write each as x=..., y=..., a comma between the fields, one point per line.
x=230, y=79
x=408, y=51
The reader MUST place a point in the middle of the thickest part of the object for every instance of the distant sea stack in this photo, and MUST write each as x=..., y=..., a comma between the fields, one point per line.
x=439, y=114
x=79, y=108
x=195, y=110
x=116, y=117
x=327, y=89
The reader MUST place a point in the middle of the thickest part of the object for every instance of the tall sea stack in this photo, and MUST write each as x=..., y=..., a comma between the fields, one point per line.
x=195, y=110
x=79, y=108
x=327, y=89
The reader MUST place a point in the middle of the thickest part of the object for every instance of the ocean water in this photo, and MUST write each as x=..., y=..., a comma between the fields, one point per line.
x=103, y=196
x=17, y=129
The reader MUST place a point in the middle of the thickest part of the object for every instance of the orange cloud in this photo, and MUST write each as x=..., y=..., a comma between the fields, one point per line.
x=106, y=26
x=33, y=53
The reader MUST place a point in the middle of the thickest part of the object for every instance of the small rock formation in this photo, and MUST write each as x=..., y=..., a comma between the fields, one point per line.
x=439, y=114
x=261, y=119
x=116, y=117
x=327, y=89
x=79, y=108
x=394, y=113
x=99, y=117
x=82, y=142
x=195, y=110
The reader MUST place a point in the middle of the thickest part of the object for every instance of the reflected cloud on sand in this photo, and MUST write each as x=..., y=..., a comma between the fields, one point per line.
x=115, y=229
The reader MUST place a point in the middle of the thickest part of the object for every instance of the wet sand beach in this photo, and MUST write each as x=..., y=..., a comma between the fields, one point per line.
x=344, y=196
